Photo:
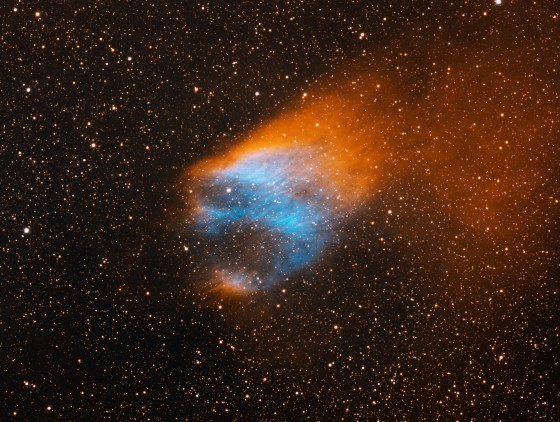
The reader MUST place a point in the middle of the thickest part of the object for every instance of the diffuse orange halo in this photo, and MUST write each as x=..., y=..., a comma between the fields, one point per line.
x=461, y=165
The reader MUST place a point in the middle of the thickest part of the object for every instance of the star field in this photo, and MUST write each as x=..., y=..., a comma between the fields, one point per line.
x=262, y=210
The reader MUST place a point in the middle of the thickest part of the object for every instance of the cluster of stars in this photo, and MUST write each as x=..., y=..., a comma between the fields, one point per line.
x=429, y=290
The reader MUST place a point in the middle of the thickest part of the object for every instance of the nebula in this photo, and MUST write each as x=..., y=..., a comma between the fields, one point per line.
x=270, y=207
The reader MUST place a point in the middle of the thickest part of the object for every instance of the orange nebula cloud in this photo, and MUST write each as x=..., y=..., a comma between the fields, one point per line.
x=464, y=175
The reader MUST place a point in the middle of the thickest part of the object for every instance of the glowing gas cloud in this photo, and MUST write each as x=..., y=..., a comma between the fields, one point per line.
x=270, y=206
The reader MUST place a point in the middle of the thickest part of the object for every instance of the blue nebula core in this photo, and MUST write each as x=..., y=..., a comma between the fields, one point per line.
x=265, y=216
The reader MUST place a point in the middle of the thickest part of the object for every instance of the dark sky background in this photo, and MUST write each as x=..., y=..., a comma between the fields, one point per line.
x=422, y=315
